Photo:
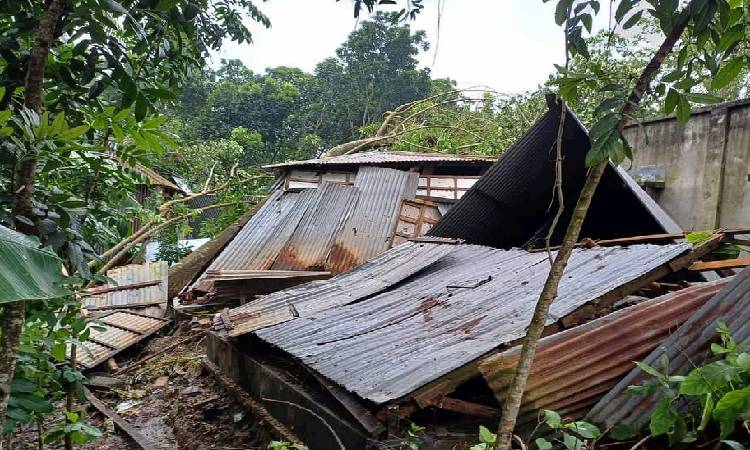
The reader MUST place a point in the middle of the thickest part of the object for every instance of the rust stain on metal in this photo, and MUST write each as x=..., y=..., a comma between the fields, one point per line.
x=574, y=368
x=684, y=348
x=468, y=326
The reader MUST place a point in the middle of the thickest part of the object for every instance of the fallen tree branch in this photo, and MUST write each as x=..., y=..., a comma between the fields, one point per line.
x=148, y=358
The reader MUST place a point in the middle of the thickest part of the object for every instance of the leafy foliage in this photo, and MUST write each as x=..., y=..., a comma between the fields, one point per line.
x=717, y=393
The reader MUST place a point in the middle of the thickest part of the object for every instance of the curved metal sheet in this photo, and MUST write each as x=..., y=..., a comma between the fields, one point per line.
x=471, y=301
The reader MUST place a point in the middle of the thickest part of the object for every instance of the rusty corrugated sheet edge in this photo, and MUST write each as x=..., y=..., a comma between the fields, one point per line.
x=573, y=368
x=193, y=265
x=385, y=157
x=373, y=219
x=686, y=346
x=470, y=302
x=311, y=242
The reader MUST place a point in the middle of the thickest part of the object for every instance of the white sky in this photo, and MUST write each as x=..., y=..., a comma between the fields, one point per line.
x=508, y=45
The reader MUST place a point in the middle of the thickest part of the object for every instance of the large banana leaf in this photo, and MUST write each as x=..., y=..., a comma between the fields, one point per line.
x=27, y=272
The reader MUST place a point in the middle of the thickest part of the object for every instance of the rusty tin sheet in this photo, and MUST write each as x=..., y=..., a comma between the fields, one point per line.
x=686, y=347
x=368, y=230
x=468, y=303
x=574, y=368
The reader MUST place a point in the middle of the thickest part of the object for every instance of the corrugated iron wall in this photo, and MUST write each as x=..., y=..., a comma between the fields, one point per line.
x=372, y=221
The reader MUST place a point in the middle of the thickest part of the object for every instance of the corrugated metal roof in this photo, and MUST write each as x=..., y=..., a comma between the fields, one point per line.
x=685, y=348
x=331, y=228
x=510, y=204
x=388, y=157
x=120, y=330
x=133, y=274
x=574, y=368
x=471, y=301
x=367, y=232
x=367, y=279
x=258, y=244
x=308, y=248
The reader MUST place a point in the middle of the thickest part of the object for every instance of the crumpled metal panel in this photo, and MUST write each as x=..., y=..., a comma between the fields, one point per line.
x=311, y=242
x=574, y=368
x=367, y=232
x=510, y=204
x=112, y=333
x=471, y=301
x=132, y=274
x=386, y=157
x=369, y=278
x=685, y=347
x=258, y=244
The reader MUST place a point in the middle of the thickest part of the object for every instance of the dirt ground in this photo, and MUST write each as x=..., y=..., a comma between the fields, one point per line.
x=172, y=400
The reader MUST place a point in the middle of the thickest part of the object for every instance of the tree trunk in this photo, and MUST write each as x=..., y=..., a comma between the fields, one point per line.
x=12, y=324
x=13, y=314
x=517, y=387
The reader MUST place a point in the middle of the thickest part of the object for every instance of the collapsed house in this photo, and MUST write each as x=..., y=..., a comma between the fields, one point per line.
x=429, y=330
x=326, y=216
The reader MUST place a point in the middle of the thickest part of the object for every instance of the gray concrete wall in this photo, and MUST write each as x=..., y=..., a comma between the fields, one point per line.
x=706, y=163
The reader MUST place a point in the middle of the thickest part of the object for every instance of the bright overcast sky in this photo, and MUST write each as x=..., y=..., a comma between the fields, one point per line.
x=508, y=45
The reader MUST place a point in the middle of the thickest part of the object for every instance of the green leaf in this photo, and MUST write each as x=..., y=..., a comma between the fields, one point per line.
x=561, y=11
x=113, y=6
x=552, y=419
x=670, y=103
x=586, y=19
x=486, y=436
x=734, y=445
x=74, y=133
x=727, y=73
x=584, y=429
x=33, y=403
x=683, y=109
x=141, y=107
x=27, y=272
x=154, y=123
x=572, y=442
x=23, y=385
x=58, y=351
x=663, y=418
x=543, y=444
x=622, y=432
x=708, y=409
x=730, y=408
x=165, y=5
x=632, y=20
x=704, y=99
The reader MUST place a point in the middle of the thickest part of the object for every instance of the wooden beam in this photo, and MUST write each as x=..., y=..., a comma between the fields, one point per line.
x=121, y=423
x=723, y=264
x=125, y=287
x=464, y=407
x=126, y=306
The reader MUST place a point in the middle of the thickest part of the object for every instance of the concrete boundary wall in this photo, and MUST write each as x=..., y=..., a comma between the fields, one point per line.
x=698, y=172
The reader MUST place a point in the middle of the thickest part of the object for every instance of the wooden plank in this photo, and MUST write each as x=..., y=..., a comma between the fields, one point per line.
x=723, y=264
x=105, y=289
x=464, y=407
x=121, y=423
x=126, y=306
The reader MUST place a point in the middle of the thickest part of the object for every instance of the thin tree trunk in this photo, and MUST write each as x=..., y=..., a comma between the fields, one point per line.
x=512, y=403
x=11, y=326
x=70, y=398
x=14, y=313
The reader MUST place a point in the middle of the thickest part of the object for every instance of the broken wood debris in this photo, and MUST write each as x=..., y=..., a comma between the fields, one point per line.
x=135, y=435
